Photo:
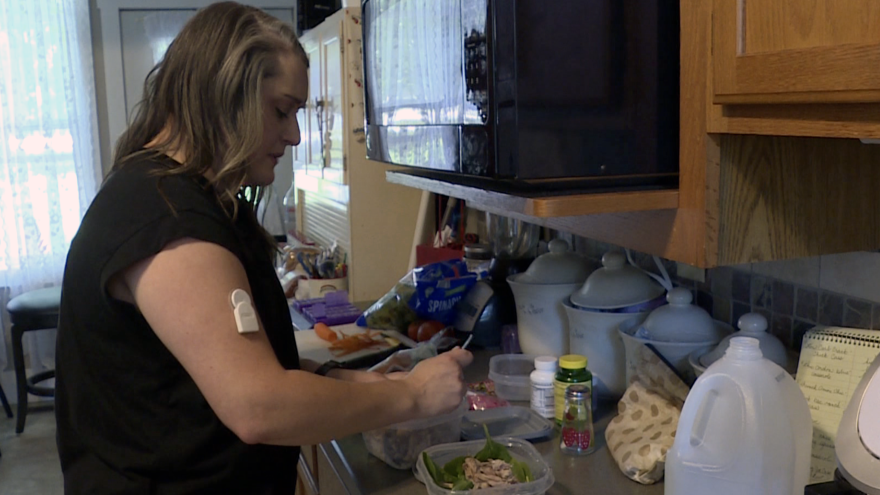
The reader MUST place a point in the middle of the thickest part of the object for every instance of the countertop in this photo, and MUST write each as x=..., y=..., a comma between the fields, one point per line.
x=596, y=473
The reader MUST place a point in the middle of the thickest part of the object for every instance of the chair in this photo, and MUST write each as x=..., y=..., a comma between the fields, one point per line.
x=33, y=310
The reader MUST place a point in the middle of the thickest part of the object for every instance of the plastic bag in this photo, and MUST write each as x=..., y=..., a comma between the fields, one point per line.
x=428, y=292
x=407, y=359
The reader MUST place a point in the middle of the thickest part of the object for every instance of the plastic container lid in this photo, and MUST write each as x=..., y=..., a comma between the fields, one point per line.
x=751, y=325
x=616, y=285
x=680, y=321
x=560, y=265
x=511, y=421
x=572, y=362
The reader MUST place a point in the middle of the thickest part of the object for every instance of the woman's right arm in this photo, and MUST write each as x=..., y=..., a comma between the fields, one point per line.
x=183, y=292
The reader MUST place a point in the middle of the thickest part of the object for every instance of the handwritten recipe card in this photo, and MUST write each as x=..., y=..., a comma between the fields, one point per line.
x=832, y=362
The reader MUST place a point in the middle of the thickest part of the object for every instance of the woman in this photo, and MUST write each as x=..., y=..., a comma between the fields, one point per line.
x=157, y=390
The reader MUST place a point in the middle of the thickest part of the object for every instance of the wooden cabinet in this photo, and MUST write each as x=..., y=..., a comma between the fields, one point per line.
x=792, y=67
x=335, y=105
x=316, y=474
x=795, y=51
x=307, y=472
x=341, y=196
x=769, y=168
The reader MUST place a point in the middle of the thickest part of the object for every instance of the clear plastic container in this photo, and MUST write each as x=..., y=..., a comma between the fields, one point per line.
x=744, y=428
x=510, y=372
x=521, y=450
x=399, y=445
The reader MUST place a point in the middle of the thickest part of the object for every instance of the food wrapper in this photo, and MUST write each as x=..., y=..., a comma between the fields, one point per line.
x=428, y=292
x=644, y=428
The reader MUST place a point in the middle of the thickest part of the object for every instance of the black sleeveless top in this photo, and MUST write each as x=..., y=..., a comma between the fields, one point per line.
x=130, y=419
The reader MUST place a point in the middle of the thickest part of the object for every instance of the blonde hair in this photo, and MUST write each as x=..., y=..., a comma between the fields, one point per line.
x=208, y=89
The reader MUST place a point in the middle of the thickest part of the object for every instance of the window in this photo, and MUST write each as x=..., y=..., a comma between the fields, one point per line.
x=49, y=156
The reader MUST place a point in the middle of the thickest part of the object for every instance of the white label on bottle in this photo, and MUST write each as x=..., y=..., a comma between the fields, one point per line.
x=543, y=400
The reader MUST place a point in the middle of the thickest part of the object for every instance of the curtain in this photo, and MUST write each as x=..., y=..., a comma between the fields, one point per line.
x=50, y=164
x=416, y=76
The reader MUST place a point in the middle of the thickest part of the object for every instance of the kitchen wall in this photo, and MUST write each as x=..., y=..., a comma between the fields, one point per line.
x=794, y=295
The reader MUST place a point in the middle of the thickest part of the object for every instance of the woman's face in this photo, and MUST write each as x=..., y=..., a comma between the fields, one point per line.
x=283, y=96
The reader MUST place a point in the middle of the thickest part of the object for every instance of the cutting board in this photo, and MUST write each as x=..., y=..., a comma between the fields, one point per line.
x=312, y=347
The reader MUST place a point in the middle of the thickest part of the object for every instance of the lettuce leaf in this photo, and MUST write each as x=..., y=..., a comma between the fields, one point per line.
x=452, y=473
x=492, y=449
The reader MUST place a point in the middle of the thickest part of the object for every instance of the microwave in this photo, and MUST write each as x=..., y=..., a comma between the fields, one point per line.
x=577, y=93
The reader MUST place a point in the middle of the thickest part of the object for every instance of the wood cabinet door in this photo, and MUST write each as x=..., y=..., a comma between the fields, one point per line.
x=796, y=51
x=334, y=101
x=310, y=151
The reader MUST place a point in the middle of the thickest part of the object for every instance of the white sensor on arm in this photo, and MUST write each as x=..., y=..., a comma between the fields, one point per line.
x=245, y=316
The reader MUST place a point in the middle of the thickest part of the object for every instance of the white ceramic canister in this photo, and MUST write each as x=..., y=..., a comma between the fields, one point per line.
x=616, y=293
x=675, y=353
x=744, y=428
x=594, y=334
x=539, y=293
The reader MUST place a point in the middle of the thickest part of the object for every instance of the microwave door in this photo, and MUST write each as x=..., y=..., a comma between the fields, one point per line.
x=417, y=96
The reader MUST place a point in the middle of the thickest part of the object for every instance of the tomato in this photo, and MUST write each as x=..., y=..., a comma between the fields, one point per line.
x=413, y=330
x=428, y=329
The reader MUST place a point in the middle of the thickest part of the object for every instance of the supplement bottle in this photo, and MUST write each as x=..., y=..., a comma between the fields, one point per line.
x=572, y=369
x=543, y=394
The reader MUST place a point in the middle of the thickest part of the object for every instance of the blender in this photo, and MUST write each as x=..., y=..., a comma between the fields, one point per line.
x=489, y=305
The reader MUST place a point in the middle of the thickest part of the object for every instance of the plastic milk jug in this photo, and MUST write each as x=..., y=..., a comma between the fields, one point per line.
x=745, y=428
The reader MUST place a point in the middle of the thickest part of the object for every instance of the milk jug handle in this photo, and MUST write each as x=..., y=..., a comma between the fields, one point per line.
x=663, y=279
x=702, y=424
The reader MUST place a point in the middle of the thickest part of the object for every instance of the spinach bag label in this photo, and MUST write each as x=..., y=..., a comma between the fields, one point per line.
x=439, y=287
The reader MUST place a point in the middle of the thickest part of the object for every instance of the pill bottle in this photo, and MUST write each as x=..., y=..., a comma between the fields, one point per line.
x=543, y=399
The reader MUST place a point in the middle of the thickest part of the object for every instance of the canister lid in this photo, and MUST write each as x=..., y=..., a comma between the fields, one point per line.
x=616, y=285
x=751, y=325
x=573, y=362
x=560, y=265
x=681, y=320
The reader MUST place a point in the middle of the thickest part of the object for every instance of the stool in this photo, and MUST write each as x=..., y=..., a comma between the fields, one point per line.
x=33, y=310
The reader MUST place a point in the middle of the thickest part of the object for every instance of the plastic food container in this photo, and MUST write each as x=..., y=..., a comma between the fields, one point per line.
x=510, y=421
x=520, y=450
x=510, y=372
x=399, y=445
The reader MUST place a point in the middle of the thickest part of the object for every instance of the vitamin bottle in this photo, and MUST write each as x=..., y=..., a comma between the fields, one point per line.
x=572, y=369
x=543, y=394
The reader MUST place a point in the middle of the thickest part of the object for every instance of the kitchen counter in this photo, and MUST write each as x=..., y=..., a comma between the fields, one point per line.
x=597, y=473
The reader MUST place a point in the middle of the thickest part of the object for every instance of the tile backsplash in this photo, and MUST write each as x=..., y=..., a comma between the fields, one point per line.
x=794, y=295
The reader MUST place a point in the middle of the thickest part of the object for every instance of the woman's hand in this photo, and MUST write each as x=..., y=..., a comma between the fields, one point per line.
x=438, y=382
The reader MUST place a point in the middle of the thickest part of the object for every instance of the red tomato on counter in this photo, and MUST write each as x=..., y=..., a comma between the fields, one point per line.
x=428, y=329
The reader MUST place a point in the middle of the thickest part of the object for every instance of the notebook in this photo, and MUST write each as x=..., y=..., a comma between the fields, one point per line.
x=832, y=362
